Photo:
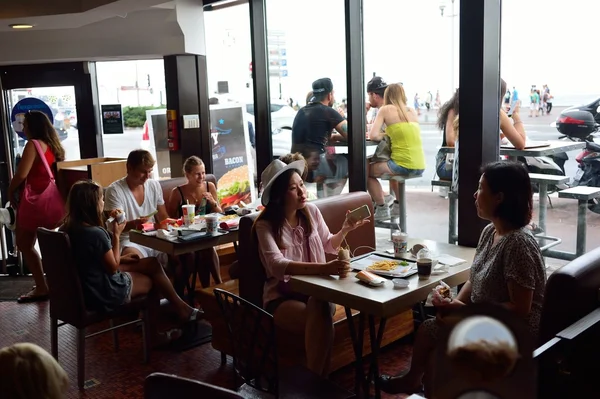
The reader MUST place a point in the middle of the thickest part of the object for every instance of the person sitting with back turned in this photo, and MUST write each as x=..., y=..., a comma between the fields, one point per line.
x=142, y=201
x=508, y=267
x=407, y=157
x=312, y=130
x=292, y=239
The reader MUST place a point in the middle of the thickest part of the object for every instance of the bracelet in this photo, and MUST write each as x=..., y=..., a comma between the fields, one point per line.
x=517, y=122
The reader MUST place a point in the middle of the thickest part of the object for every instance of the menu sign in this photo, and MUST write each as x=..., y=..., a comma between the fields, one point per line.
x=112, y=119
x=230, y=154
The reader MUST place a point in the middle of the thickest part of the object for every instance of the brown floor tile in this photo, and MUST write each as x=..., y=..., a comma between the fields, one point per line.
x=121, y=375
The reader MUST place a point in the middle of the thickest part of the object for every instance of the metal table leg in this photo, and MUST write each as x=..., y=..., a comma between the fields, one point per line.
x=581, y=227
x=543, y=194
x=376, y=337
x=357, y=345
x=402, y=204
x=452, y=217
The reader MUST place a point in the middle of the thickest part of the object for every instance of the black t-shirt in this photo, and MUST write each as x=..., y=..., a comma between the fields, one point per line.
x=313, y=125
x=101, y=291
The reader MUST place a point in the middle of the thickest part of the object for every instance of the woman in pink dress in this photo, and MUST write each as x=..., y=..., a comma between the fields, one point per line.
x=31, y=170
x=292, y=240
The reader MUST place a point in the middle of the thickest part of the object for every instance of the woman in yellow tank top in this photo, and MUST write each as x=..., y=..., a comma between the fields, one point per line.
x=407, y=158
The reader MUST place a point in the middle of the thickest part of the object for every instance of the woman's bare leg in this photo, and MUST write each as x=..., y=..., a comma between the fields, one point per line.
x=25, y=241
x=151, y=268
x=207, y=264
x=315, y=320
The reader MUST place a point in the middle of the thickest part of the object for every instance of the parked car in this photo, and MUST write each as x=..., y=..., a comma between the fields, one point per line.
x=282, y=119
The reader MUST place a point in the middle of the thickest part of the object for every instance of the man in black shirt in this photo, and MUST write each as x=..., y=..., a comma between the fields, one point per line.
x=312, y=130
x=315, y=122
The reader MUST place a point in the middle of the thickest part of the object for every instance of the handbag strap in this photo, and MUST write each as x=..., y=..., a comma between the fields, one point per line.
x=38, y=147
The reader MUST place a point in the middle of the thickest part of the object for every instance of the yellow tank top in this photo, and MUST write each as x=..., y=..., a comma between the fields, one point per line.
x=407, y=147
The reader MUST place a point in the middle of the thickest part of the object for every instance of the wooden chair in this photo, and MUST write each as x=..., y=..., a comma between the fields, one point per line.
x=166, y=386
x=67, y=303
x=252, y=334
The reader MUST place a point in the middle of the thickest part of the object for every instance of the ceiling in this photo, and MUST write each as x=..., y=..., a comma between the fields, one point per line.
x=69, y=14
x=93, y=30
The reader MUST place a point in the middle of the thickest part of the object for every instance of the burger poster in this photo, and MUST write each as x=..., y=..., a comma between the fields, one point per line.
x=230, y=154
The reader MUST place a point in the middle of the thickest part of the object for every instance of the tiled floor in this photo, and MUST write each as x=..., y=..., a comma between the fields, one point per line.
x=121, y=375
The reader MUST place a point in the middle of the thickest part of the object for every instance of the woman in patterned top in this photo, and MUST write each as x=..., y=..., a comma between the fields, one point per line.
x=508, y=267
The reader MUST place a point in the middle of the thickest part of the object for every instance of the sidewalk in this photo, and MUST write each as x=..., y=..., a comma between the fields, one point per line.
x=430, y=118
x=428, y=218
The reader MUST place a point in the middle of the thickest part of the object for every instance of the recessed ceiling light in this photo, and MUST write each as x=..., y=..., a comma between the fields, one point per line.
x=21, y=26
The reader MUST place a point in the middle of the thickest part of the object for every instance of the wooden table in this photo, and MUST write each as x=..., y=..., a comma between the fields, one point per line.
x=176, y=248
x=381, y=302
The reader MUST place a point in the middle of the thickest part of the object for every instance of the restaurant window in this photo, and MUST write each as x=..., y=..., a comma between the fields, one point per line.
x=414, y=45
x=302, y=49
x=231, y=95
x=130, y=94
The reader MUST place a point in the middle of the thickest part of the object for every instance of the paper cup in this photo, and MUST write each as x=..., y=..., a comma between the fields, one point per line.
x=212, y=222
x=189, y=213
x=400, y=241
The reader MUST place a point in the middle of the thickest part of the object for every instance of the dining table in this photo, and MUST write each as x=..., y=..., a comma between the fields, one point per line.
x=382, y=302
x=173, y=246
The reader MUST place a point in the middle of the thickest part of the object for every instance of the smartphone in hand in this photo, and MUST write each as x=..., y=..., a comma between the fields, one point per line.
x=359, y=214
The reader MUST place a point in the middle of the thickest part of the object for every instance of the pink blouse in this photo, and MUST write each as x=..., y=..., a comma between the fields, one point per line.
x=298, y=248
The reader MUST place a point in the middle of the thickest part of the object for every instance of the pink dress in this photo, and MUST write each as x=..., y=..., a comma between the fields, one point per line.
x=298, y=248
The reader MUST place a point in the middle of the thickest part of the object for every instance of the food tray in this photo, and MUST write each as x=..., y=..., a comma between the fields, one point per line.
x=401, y=271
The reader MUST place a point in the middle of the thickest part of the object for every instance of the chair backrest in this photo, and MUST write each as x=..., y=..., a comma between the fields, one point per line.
x=571, y=293
x=66, y=297
x=252, y=274
x=166, y=386
x=167, y=185
x=252, y=334
x=251, y=271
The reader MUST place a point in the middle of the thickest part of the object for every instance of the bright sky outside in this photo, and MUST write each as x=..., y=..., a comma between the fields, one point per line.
x=543, y=41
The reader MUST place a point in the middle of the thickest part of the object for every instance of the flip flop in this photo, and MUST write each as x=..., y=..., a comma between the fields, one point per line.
x=32, y=298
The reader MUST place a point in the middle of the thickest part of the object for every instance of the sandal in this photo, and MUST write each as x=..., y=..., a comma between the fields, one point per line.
x=169, y=336
x=195, y=315
x=29, y=297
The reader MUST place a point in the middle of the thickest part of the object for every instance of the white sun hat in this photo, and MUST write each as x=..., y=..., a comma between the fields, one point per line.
x=273, y=171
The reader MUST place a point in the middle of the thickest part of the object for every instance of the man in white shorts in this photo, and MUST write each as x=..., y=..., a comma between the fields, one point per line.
x=142, y=201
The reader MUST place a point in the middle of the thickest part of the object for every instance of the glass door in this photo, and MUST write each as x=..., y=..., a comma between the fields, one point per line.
x=58, y=103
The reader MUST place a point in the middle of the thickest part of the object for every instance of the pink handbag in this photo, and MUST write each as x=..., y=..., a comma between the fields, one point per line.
x=40, y=209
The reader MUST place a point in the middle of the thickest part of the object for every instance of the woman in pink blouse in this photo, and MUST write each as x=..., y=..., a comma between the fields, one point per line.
x=292, y=240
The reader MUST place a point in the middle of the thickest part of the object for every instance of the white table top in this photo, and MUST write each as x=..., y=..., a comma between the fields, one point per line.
x=385, y=301
x=552, y=147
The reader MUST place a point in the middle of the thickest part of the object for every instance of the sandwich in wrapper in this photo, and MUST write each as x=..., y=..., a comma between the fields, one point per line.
x=234, y=187
x=443, y=291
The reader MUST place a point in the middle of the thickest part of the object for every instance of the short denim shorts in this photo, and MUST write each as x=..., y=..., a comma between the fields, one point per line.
x=402, y=171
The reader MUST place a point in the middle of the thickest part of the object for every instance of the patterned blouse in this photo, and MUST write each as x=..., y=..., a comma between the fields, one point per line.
x=514, y=257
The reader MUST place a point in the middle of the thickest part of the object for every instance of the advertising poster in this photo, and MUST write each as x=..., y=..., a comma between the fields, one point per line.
x=112, y=119
x=17, y=115
x=232, y=164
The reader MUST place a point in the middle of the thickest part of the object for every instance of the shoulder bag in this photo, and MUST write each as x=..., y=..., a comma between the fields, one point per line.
x=40, y=209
